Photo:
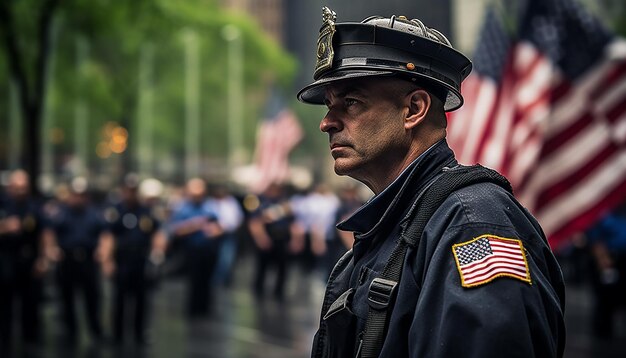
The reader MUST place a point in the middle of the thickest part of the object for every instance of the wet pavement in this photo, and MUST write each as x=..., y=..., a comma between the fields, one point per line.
x=239, y=325
x=580, y=341
x=244, y=326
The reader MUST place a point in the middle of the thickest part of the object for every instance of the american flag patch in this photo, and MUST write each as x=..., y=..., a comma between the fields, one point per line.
x=487, y=257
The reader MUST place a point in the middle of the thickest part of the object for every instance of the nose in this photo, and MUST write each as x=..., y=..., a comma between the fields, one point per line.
x=330, y=123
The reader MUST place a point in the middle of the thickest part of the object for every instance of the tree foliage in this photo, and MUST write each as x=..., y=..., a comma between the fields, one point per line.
x=94, y=56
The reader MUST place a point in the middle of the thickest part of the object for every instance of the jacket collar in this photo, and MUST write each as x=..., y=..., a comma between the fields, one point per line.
x=386, y=207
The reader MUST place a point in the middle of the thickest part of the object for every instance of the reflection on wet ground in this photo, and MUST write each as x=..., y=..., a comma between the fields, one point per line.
x=244, y=326
x=240, y=324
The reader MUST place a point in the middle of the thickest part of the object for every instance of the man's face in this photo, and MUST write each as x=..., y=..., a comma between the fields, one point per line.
x=18, y=187
x=77, y=200
x=365, y=125
x=196, y=190
x=129, y=195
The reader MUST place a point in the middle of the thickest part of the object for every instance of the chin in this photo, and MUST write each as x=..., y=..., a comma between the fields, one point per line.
x=343, y=168
x=339, y=172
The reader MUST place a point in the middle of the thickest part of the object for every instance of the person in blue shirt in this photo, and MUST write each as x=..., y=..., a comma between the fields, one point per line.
x=230, y=217
x=607, y=240
x=196, y=224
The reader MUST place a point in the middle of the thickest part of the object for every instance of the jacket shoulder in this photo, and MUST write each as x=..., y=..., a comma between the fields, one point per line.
x=485, y=203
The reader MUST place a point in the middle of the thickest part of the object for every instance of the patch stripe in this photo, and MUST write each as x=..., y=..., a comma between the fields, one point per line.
x=488, y=257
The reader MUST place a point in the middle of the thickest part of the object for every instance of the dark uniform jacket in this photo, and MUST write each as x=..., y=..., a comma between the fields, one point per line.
x=18, y=251
x=132, y=226
x=497, y=315
x=78, y=231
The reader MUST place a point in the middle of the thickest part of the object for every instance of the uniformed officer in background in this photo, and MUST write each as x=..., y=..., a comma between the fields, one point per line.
x=84, y=245
x=139, y=244
x=21, y=261
x=462, y=271
x=607, y=241
x=275, y=235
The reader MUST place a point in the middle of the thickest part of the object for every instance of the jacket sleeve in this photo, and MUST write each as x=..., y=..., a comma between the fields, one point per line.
x=505, y=316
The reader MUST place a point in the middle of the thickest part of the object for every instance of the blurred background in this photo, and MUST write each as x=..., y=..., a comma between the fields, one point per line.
x=114, y=113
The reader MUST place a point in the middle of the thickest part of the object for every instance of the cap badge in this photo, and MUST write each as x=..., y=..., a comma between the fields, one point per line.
x=325, y=51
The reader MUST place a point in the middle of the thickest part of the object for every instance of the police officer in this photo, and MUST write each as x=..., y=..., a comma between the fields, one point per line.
x=481, y=280
x=607, y=239
x=273, y=231
x=21, y=260
x=85, y=246
x=138, y=244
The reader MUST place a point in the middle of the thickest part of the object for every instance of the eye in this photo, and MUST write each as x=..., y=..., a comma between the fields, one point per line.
x=350, y=101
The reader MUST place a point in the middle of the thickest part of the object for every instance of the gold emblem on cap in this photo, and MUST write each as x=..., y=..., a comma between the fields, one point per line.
x=410, y=66
x=325, y=50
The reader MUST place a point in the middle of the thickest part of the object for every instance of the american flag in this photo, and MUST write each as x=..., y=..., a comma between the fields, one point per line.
x=277, y=134
x=488, y=257
x=546, y=107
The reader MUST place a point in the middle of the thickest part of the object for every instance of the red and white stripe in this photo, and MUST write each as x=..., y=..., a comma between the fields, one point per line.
x=560, y=143
x=275, y=140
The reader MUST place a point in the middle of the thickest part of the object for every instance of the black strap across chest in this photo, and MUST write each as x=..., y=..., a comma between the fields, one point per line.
x=382, y=289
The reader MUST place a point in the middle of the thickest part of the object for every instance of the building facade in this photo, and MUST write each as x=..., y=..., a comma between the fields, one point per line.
x=295, y=24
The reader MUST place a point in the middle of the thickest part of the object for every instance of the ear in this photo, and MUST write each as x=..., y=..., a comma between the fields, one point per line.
x=418, y=106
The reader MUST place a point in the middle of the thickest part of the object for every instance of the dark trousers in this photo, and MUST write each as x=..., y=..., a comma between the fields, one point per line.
x=130, y=298
x=23, y=288
x=610, y=296
x=80, y=275
x=200, y=266
x=278, y=257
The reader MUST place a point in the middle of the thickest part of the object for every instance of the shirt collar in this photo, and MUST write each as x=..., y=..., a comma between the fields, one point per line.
x=370, y=217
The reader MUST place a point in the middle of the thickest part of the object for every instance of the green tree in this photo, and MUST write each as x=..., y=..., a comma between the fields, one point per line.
x=27, y=62
x=97, y=46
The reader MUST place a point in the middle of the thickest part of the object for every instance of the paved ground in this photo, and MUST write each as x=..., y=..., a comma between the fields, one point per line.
x=244, y=327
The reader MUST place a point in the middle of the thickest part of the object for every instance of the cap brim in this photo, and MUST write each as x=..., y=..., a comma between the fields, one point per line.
x=315, y=92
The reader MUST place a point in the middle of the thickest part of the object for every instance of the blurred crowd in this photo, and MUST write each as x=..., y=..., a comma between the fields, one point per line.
x=142, y=232
x=596, y=259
